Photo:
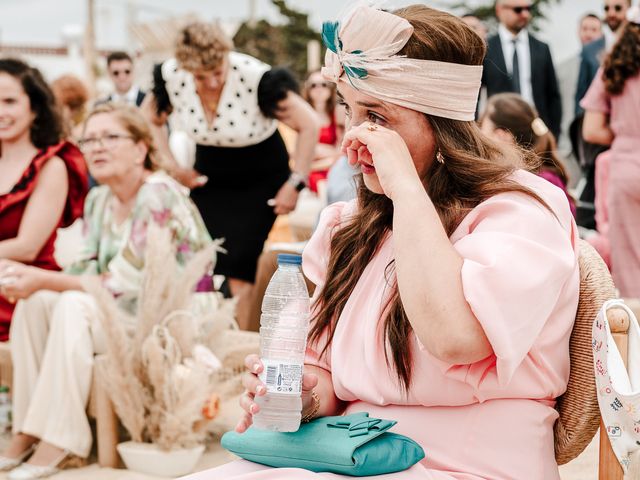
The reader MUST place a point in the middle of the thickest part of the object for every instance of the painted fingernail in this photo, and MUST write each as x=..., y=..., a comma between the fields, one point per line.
x=260, y=389
x=256, y=367
x=253, y=408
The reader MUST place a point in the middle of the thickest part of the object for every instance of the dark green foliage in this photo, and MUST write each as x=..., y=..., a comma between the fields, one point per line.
x=486, y=11
x=279, y=45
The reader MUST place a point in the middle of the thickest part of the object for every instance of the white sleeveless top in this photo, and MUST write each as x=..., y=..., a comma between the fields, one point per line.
x=239, y=122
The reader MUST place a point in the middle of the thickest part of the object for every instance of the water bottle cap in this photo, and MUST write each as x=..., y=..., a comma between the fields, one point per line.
x=289, y=259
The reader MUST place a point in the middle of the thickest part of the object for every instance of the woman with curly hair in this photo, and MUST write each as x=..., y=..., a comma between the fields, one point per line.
x=72, y=96
x=230, y=104
x=612, y=104
x=43, y=181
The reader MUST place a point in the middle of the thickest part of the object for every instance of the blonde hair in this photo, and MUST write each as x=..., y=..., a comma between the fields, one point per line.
x=202, y=46
x=135, y=124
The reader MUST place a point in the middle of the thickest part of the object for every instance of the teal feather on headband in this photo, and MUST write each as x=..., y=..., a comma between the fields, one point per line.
x=332, y=41
x=355, y=72
x=330, y=36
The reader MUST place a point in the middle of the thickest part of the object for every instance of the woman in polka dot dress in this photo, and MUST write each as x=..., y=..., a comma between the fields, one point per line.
x=230, y=105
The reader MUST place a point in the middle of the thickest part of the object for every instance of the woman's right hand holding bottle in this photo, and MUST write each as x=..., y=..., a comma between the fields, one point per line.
x=254, y=387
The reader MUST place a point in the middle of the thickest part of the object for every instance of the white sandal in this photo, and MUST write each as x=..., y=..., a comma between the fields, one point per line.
x=9, y=463
x=27, y=471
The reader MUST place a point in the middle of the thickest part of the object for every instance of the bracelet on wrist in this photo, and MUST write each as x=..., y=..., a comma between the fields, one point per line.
x=315, y=407
x=297, y=181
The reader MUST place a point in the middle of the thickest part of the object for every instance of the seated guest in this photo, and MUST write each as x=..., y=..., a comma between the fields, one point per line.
x=446, y=293
x=56, y=329
x=509, y=118
x=43, y=181
x=321, y=95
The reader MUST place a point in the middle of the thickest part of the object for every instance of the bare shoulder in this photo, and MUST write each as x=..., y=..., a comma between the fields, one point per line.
x=54, y=170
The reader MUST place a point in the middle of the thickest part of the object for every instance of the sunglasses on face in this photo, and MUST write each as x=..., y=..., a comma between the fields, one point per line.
x=319, y=84
x=617, y=8
x=519, y=10
x=117, y=73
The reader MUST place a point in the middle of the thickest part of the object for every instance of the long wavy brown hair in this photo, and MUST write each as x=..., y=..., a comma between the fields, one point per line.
x=624, y=60
x=474, y=169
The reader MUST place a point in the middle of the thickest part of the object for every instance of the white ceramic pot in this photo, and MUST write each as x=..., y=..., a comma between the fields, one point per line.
x=148, y=458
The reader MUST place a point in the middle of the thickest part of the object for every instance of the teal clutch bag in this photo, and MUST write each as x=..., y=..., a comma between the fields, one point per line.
x=355, y=444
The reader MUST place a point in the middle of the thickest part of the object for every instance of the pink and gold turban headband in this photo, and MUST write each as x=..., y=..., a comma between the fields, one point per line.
x=362, y=51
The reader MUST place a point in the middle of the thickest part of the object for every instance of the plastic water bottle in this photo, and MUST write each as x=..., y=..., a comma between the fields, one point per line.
x=283, y=338
x=5, y=409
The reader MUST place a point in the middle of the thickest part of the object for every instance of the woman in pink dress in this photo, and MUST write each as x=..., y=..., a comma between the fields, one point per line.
x=447, y=291
x=612, y=104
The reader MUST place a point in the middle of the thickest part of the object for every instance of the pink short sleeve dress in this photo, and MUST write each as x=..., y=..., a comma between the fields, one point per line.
x=489, y=420
x=617, y=180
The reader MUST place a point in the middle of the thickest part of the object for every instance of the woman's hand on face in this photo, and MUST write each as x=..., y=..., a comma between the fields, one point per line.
x=189, y=177
x=386, y=151
x=18, y=281
x=254, y=387
x=285, y=200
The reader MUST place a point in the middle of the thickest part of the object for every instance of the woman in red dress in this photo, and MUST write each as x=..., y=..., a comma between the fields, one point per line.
x=321, y=95
x=43, y=180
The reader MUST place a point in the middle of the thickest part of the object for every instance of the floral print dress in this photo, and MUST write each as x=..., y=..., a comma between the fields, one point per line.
x=117, y=250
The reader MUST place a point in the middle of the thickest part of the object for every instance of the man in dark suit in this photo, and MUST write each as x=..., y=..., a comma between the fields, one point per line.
x=518, y=62
x=120, y=68
x=593, y=53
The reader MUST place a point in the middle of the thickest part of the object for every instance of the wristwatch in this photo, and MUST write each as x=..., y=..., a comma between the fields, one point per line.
x=298, y=181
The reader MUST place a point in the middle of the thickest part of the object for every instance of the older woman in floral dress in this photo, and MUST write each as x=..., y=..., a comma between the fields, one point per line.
x=56, y=329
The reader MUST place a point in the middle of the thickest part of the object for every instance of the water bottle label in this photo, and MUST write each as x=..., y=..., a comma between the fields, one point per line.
x=283, y=378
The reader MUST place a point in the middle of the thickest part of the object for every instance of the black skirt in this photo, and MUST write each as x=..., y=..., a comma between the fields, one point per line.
x=233, y=203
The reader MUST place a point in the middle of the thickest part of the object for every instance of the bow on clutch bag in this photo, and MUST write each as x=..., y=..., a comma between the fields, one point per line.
x=355, y=444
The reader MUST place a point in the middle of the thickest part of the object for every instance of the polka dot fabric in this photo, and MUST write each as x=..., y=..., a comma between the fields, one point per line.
x=239, y=121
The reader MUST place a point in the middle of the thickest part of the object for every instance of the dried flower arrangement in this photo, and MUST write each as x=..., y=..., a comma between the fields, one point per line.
x=162, y=377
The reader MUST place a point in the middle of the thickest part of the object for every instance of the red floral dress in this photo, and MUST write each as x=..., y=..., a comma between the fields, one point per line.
x=13, y=204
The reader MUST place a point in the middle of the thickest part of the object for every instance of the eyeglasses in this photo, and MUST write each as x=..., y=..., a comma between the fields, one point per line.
x=617, y=8
x=319, y=84
x=108, y=141
x=518, y=10
x=117, y=73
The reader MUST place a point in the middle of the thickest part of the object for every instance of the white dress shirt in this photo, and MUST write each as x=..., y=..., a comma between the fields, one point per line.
x=129, y=98
x=524, y=58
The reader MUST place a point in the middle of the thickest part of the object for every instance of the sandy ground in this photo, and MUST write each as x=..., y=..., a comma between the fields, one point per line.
x=585, y=467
